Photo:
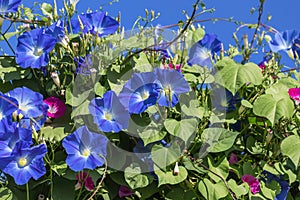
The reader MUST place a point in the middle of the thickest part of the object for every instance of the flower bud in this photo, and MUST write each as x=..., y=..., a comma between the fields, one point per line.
x=55, y=78
x=268, y=38
x=176, y=169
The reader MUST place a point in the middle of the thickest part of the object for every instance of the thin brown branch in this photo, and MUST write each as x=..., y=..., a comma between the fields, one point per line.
x=102, y=179
x=226, y=185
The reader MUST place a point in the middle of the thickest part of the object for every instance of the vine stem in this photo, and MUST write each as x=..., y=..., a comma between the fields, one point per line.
x=189, y=22
x=260, y=12
x=229, y=190
x=102, y=179
x=27, y=191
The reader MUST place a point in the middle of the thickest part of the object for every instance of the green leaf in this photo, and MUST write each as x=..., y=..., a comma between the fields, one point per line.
x=290, y=147
x=5, y=193
x=168, y=177
x=9, y=70
x=246, y=103
x=218, y=139
x=53, y=134
x=212, y=191
x=148, y=130
x=74, y=98
x=9, y=35
x=180, y=193
x=197, y=35
x=59, y=169
x=142, y=64
x=190, y=106
x=134, y=178
x=238, y=190
x=183, y=129
x=28, y=13
x=267, y=192
x=81, y=110
x=47, y=9
x=280, y=89
x=151, y=134
x=272, y=108
x=233, y=76
x=221, y=168
x=164, y=156
x=99, y=89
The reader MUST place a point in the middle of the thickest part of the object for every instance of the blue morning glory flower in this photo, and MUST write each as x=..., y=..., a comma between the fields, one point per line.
x=25, y=162
x=84, y=149
x=203, y=51
x=33, y=48
x=144, y=154
x=56, y=30
x=9, y=6
x=84, y=65
x=284, y=41
x=139, y=92
x=171, y=84
x=269, y=177
x=98, y=23
x=109, y=114
x=31, y=105
x=296, y=47
x=224, y=100
x=7, y=106
x=12, y=134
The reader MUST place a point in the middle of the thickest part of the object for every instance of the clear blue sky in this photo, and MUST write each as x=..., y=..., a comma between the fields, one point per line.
x=284, y=13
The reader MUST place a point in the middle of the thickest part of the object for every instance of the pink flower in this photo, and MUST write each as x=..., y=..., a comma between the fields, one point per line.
x=262, y=65
x=57, y=107
x=84, y=178
x=252, y=182
x=173, y=66
x=125, y=191
x=295, y=94
x=233, y=159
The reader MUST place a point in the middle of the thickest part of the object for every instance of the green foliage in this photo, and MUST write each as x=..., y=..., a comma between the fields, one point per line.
x=212, y=191
x=290, y=147
x=259, y=125
x=164, y=156
x=218, y=139
x=168, y=177
x=234, y=76
x=183, y=129
x=273, y=108
x=134, y=178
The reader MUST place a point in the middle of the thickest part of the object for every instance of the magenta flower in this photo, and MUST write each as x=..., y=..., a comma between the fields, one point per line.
x=57, y=107
x=124, y=191
x=173, y=66
x=84, y=179
x=233, y=159
x=252, y=182
x=295, y=94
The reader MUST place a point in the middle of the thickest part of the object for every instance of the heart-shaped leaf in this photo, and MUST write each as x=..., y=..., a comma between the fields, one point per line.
x=164, y=156
x=218, y=139
x=233, y=76
x=273, y=109
x=183, y=129
x=290, y=147
x=168, y=177
x=134, y=178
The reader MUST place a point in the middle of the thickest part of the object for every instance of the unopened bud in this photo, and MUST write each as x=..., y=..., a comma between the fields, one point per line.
x=176, y=169
x=268, y=38
x=245, y=39
x=55, y=78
